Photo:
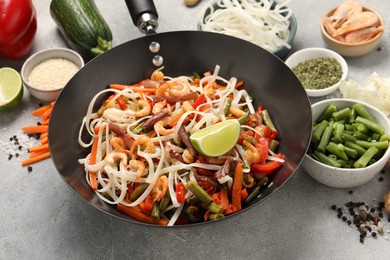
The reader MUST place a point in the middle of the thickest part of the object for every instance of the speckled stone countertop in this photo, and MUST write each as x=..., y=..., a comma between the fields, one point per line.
x=41, y=218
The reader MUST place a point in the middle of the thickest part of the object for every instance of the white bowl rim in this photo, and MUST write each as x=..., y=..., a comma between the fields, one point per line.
x=385, y=156
x=331, y=53
x=50, y=50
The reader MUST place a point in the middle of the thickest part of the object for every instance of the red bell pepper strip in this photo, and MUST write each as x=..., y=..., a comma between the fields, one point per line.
x=268, y=167
x=262, y=146
x=199, y=101
x=18, y=25
x=181, y=192
x=122, y=104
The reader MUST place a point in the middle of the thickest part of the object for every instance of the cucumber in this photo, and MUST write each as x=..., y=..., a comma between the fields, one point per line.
x=82, y=26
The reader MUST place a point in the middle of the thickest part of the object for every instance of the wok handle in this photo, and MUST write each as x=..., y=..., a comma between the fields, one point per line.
x=144, y=15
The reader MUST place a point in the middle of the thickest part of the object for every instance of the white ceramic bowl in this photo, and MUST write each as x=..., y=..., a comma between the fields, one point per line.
x=342, y=177
x=39, y=57
x=313, y=53
x=282, y=51
x=351, y=49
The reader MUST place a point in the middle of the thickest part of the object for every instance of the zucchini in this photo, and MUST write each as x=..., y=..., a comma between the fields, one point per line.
x=82, y=26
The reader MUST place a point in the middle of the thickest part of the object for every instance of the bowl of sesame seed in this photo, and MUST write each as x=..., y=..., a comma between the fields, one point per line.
x=46, y=72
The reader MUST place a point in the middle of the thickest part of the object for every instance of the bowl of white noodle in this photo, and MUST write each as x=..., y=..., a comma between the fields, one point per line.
x=266, y=23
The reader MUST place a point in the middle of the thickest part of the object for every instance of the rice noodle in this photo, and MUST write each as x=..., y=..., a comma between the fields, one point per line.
x=256, y=21
x=116, y=176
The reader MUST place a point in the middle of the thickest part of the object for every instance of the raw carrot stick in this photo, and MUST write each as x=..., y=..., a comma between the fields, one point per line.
x=36, y=158
x=44, y=140
x=39, y=148
x=35, y=154
x=35, y=129
x=47, y=113
x=45, y=122
x=145, y=90
x=43, y=135
x=40, y=111
x=119, y=86
x=237, y=186
x=92, y=158
x=138, y=215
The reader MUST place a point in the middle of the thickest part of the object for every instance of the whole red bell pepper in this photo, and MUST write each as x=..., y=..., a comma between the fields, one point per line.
x=18, y=25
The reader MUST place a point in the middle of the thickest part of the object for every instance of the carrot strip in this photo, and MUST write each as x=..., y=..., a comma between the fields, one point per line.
x=36, y=158
x=92, y=159
x=239, y=84
x=47, y=113
x=175, y=119
x=45, y=122
x=43, y=135
x=39, y=148
x=224, y=198
x=145, y=90
x=40, y=111
x=119, y=86
x=237, y=186
x=138, y=215
x=244, y=194
x=44, y=140
x=35, y=129
x=35, y=154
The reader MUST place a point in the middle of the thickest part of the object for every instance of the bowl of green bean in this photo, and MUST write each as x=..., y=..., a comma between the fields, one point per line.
x=349, y=144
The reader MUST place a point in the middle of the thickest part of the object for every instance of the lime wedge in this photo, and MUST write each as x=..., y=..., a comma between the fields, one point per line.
x=218, y=139
x=11, y=88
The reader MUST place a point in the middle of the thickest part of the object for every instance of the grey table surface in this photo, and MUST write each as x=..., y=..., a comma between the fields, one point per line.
x=41, y=218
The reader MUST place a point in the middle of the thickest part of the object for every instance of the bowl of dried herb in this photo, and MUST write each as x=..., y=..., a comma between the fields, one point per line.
x=319, y=70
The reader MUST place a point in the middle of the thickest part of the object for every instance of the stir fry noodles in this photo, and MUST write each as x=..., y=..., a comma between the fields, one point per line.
x=143, y=161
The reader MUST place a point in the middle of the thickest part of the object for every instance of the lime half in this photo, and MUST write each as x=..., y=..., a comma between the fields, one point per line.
x=11, y=88
x=218, y=139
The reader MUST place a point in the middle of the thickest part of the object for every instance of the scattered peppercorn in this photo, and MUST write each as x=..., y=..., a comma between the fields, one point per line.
x=29, y=168
x=350, y=191
x=380, y=178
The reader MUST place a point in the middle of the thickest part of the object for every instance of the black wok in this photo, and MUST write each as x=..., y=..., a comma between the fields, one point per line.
x=269, y=81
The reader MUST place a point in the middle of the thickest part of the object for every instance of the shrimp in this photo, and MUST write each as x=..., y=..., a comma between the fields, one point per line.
x=251, y=154
x=159, y=127
x=186, y=106
x=159, y=106
x=160, y=188
x=357, y=22
x=187, y=157
x=119, y=145
x=363, y=34
x=157, y=75
x=210, y=89
x=139, y=166
x=179, y=89
x=144, y=141
x=114, y=156
x=145, y=109
x=344, y=11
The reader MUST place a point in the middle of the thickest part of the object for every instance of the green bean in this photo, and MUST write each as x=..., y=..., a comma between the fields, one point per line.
x=325, y=139
x=326, y=160
x=216, y=216
x=384, y=138
x=199, y=192
x=273, y=145
x=327, y=114
x=338, y=132
x=138, y=191
x=379, y=145
x=353, y=116
x=334, y=149
x=373, y=126
x=372, y=161
x=316, y=137
x=165, y=202
x=227, y=105
x=267, y=120
x=215, y=208
x=361, y=136
x=362, y=111
x=352, y=153
x=366, y=157
x=361, y=128
x=349, y=127
x=342, y=114
x=190, y=210
x=375, y=137
x=242, y=119
x=348, y=138
x=138, y=129
x=344, y=164
x=360, y=150
x=253, y=194
x=156, y=210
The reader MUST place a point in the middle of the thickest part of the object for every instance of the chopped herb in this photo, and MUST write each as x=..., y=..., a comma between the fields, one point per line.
x=318, y=73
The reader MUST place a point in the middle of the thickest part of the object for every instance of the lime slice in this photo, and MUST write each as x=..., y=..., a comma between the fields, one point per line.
x=217, y=139
x=11, y=88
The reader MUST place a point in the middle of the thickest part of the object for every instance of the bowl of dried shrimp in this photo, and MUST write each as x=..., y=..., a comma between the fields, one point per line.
x=352, y=29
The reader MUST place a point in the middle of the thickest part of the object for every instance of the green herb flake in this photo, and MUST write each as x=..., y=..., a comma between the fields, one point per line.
x=318, y=73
